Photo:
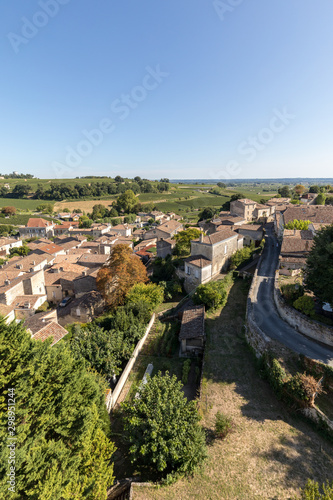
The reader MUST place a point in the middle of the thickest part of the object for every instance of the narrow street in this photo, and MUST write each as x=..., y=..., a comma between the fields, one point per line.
x=267, y=317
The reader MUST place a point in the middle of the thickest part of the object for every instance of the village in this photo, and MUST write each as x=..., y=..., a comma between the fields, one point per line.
x=55, y=284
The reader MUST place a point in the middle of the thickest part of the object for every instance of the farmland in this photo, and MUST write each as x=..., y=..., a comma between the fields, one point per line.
x=184, y=199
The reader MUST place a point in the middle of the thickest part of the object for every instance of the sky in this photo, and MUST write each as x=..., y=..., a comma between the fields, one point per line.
x=182, y=89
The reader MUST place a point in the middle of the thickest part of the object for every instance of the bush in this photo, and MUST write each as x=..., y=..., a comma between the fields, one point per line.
x=291, y=293
x=303, y=388
x=186, y=371
x=311, y=491
x=213, y=294
x=305, y=305
x=151, y=294
x=240, y=257
x=223, y=425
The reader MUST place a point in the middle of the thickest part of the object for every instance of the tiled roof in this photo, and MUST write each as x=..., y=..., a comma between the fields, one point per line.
x=198, y=261
x=313, y=213
x=98, y=258
x=52, y=329
x=219, y=236
x=296, y=245
x=38, y=222
x=193, y=323
x=51, y=248
x=7, y=241
x=169, y=226
x=247, y=201
x=28, y=262
x=250, y=227
x=21, y=300
x=52, y=279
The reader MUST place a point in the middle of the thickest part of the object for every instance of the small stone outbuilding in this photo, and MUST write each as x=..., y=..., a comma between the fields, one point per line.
x=192, y=331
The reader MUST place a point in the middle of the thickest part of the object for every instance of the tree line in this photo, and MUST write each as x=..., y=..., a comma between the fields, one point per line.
x=61, y=191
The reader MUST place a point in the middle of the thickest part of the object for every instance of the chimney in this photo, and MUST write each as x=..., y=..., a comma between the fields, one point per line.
x=61, y=269
x=7, y=281
x=84, y=273
x=33, y=262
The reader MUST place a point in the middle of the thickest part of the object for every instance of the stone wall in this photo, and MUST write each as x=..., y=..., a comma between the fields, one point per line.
x=253, y=334
x=124, y=376
x=299, y=321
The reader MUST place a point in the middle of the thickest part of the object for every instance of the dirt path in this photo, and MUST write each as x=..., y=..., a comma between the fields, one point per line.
x=271, y=453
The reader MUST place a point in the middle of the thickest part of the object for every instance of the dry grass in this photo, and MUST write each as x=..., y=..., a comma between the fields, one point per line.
x=84, y=205
x=270, y=454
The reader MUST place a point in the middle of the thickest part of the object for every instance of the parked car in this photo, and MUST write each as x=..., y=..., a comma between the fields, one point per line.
x=65, y=301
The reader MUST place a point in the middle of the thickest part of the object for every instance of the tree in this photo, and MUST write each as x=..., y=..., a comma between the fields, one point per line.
x=305, y=305
x=234, y=197
x=284, y=191
x=98, y=212
x=46, y=208
x=207, y=213
x=162, y=428
x=127, y=202
x=21, y=251
x=319, y=268
x=299, y=189
x=321, y=198
x=103, y=350
x=329, y=200
x=184, y=238
x=8, y=210
x=21, y=190
x=221, y=185
x=151, y=294
x=314, y=189
x=298, y=224
x=62, y=450
x=123, y=270
x=85, y=222
x=119, y=179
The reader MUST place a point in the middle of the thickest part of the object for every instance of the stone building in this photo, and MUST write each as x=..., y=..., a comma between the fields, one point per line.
x=192, y=331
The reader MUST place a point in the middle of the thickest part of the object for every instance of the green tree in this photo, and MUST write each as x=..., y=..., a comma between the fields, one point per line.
x=21, y=190
x=299, y=189
x=85, y=222
x=298, y=224
x=212, y=295
x=284, y=191
x=314, y=189
x=162, y=428
x=127, y=202
x=151, y=294
x=319, y=266
x=183, y=239
x=21, y=251
x=62, y=450
x=321, y=198
x=221, y=185
x=305, y=305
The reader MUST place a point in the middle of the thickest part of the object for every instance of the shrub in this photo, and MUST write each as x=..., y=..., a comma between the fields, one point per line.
x=303, y=388
x=223, y=425
x=291, y=293
x=186, y=371
x=305, y=305
x=213, y=294
x=311, y=491
x=240, y=257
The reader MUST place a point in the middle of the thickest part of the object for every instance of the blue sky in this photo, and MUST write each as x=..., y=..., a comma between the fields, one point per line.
x=178, y=89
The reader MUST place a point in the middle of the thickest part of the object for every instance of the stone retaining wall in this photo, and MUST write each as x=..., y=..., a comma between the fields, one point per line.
x=112, y=400
x=299, y=321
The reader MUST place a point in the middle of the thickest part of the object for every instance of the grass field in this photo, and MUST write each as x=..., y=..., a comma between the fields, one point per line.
x=271, y=453
x=21, y=204
x=184, y=199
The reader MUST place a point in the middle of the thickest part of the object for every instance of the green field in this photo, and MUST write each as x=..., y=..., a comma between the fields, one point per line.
x=21, y=204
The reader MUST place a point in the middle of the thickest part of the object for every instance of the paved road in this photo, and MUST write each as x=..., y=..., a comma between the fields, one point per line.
x=267, y=317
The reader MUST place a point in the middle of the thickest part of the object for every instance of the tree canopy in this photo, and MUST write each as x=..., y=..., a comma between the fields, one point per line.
x=298, y=224
x=61, y=425
x=151, y=294
x=162, y=428
x=319, y=266
x=121, y=272
x=127, y=202
x=284, y=191
x=184, y=238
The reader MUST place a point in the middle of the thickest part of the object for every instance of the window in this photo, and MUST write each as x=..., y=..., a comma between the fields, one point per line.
x=196, y=273
x=188, y=270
